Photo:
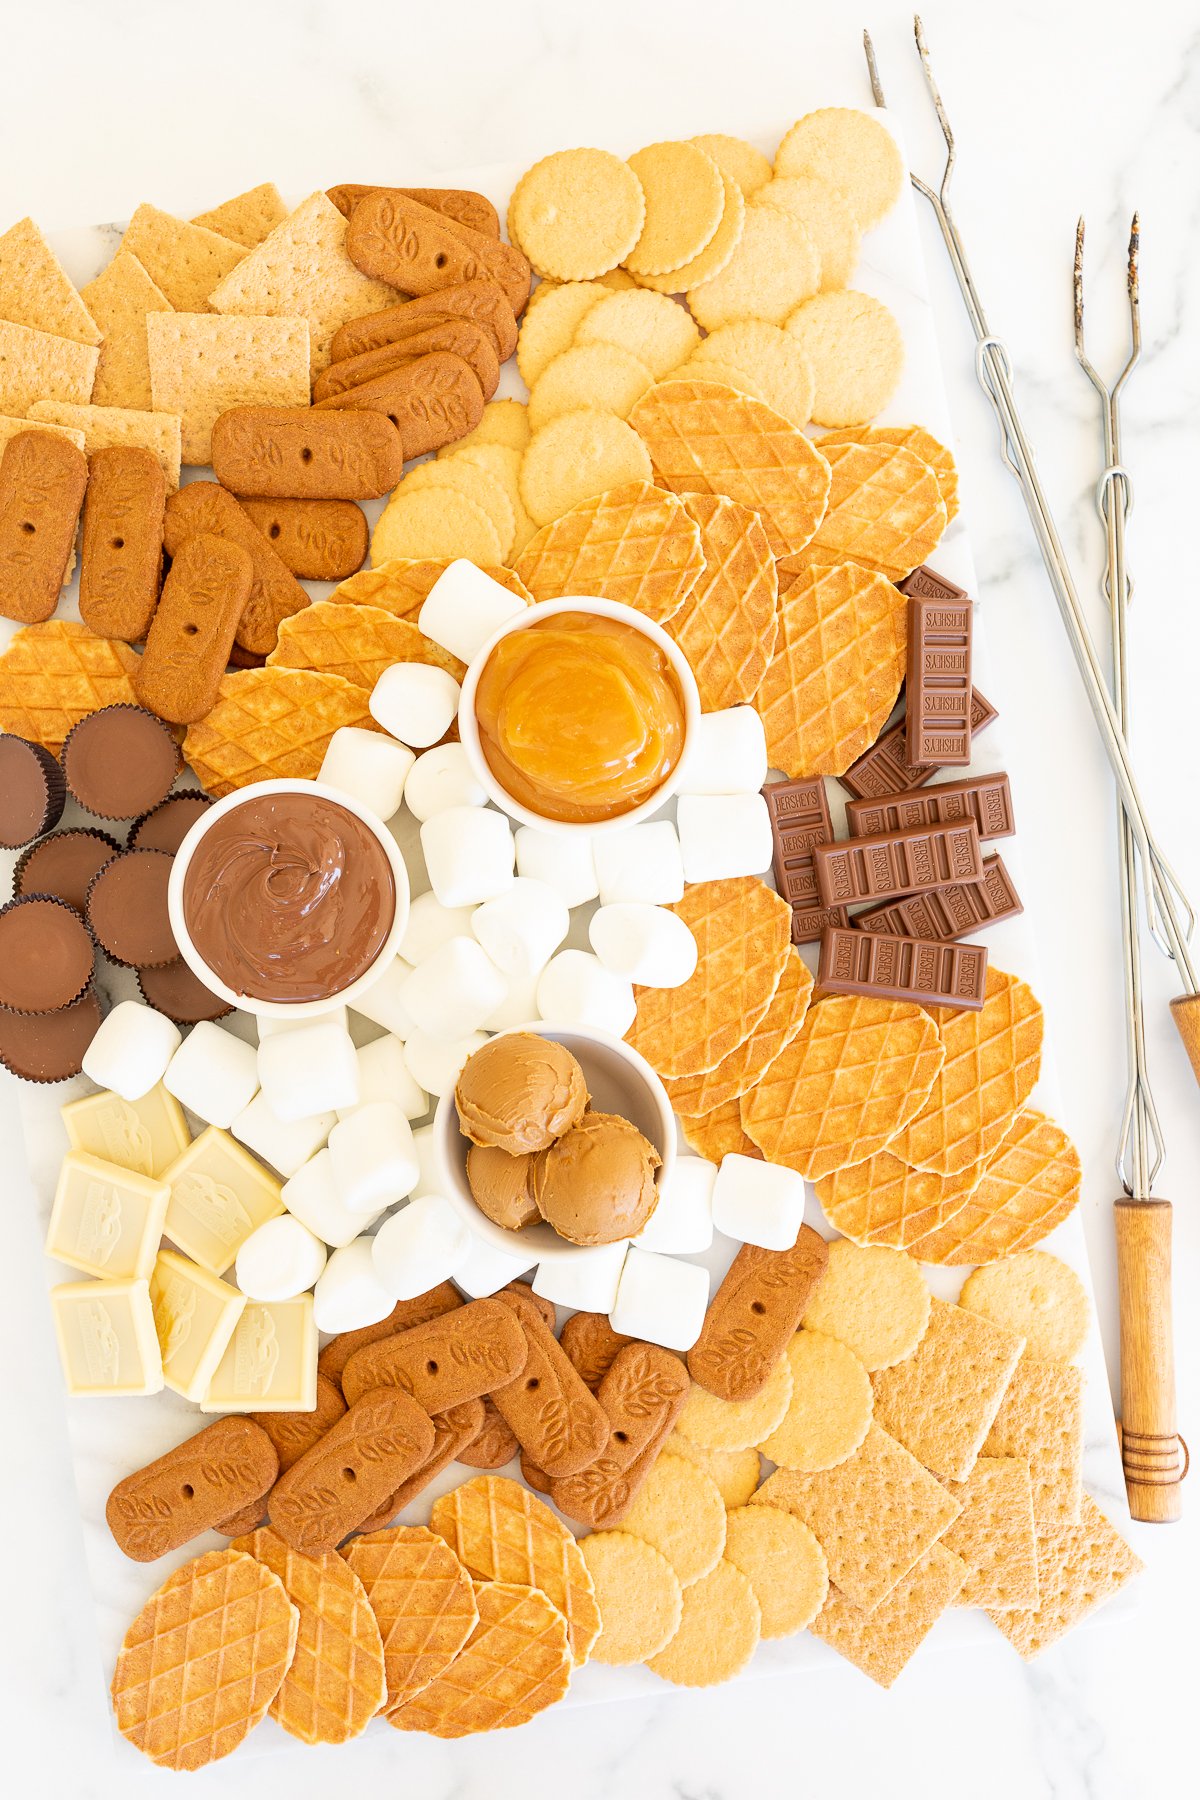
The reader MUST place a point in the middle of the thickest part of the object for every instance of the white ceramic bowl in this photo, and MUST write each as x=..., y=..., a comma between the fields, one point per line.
x=619, y=1080
x=285, y=1009
x=468, y=724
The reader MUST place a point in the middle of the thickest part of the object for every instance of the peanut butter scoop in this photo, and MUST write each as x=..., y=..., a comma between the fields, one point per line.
x=597, y=1184
x=519, y=1093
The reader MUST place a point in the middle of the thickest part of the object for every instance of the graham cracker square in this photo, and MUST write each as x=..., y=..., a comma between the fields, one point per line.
x=940, y=1402
x=994, y=1534
x=184, y=260
x=1080, y=1566
x=119, y=299
x=201, y=364
x=1041, y=1419
x=36, y=290
x=882, y=1641
x=248, y=218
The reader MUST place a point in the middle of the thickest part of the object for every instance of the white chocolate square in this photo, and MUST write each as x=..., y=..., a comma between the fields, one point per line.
x=194, y=1316
x=106, y=1338
x=219, y=1195
x=270, y=1362
x=106, y=1220
x=145, y=1135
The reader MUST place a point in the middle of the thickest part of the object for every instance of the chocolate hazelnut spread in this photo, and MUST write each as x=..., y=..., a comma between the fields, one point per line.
x=289, y=897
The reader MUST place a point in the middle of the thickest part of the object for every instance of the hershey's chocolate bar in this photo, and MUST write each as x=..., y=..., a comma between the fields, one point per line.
x=937, y=716
x=885, y=768
x=902, y=968
x=984, y=798
x=929, y=585
x=949, y=912
x=799, y=814
x=889, y=864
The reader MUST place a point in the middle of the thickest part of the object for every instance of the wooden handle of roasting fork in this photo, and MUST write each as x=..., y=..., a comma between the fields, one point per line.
x=1186, y=1013
x=1152, y=1452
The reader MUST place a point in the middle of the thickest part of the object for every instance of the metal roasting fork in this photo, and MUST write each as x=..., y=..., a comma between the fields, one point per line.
x=1154, y=1456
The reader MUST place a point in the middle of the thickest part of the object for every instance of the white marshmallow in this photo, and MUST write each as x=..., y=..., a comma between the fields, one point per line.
x=430, y=1179
x=723, y=835
x=374, y=1163
x=281, y=1259
x=430, y=924
x=381, y=1001
x=519, y=1005
x=349, y=1294
x=682, y=1222
x=311, y=1070
x=563, y=860
x=522, y=927
x=369, y=766
x=758, y=1202
x=436, y=1063
x=422, y=1244
x=469, y=853
x=312, y=1197
x=415, y=702
x=452, y=990
x=575, y=988
x=586, y=1279
x=464, y=608
x=439, y=778
x=727, y=753
x=487, y=1269
x=213, y=1074
x=383, y=1075
x=642, y=863
x=287, y=1146
x=131, y=1050
x=660, y=1299
x=646, y=944
x=272, y=1027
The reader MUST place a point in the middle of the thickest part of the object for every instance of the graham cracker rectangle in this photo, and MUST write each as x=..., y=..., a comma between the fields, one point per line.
x=182, y=259
x=994, y=1534
x=9, y=428
x=940, y=1402
x=36, y=290
x=1041, y=1419
x=107, y=427
x=874, y=1515
x=36, y=366
x=201, y=364
x=119, y=299
x=882, y=1641
x=1080, y=1566
x=302, y=271
x=248, y=218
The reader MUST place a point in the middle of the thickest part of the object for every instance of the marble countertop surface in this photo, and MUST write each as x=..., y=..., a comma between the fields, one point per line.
x=1078, y=105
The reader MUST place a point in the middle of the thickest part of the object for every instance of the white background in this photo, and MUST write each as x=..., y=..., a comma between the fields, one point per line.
x=1059, y=105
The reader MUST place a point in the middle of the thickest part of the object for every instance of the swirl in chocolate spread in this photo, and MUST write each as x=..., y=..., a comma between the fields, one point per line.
x=289, y=897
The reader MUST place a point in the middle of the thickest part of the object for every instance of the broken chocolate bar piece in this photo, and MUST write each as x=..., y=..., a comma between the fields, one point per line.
x=885, y=768
x=902, y=968
x=938, y=683
x=889, y=864
x=799, y=814
x=984, y=798
x=950, y=912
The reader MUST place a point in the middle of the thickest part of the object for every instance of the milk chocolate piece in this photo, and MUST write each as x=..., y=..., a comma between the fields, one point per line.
x=799, y=814
x=127, y=909
x=120, y=761
x=320, y=540
x=753, y=1314
x=902, y=968
x=49, y=1046
x=885, y=768
x=984, y=798
x=42, y=482
x=302, y=453
x=47, y=956
x=220, y=1470
x=122, y=551
x=891, y=863
x=938, y=687
x=483, y=302
x=950, y=912
x=927, y=584
x=64, y=863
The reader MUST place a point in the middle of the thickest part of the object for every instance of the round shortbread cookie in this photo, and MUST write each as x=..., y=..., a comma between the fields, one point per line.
x=619, y=280
x=829, y=1413
x=1039, y=1296
x=737, y=159
x=718, y=1632
x=715, y=254
x=725, y=373
x=577, y=213
x=599, y=375
x=773, y=360
x=656, y=330
x=679, y=1510
x=685, y=197
x=503, y=463
x=717, y=1424
x=828, y=220
x=775, y=268
x=638, y=1593
x=856, y=350
x=849, y=151
x=784, y=1564
x=873, y=1300
x=550, y=324
x=435, y=522
x=736, y=1472
x=503, y=422
x=577, y=455
x=467, y=477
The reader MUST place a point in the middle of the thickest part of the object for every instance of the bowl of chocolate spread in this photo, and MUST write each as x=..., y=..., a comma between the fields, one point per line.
x=287, y=898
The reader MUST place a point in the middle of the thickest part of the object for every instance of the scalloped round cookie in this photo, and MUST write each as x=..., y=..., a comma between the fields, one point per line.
x=736, y=1472
x=829, y=1413
x=655, y=329
x=679, y=1510
x=772, y=360
x=873, y=1300
x=550, y=324
x=503, y=422
x=428, y=522
x=1035, y=1294
x=784, y=1564
x=577, y=214
x=718, y=1424
x=718, y=1632
x=737, y=159
x=469, y=478
x=685, y=197
x=856, y=350
x=775, y=268
x=599, y=375
x=850, y=151
x=715, y=254
x=579, y=454
x=638, y=1593
x=826, y=216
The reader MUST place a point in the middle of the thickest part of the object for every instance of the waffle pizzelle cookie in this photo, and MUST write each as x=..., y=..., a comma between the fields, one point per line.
x=269, y=723
x=54, y=674
x=515, y=1664
x=401, y=587
x=204, y=1659
x=728, y=623
x=1029, y=1185
x=885, y=509
x=856, y=1073
x=635, y=544
x=837, y=668
x=742, y=930
x=357, y=642
x=720, y=1133
x=884, y=1201
x=916, y=438
x=422, y=1598
x=737, y=1073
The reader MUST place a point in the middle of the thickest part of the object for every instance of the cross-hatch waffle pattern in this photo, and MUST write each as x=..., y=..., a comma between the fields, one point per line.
x=635, y=544
x=1030, y=1185
x=269, y=723
x=694, y=1095
x=516, y=1663
x=885, y=509
x=357, y=642
x=836, y=671
x=922, y=443
x=401, y=586
x=203, y=1660
x=55, y=674
x=728, y=624
x=423, y=1599
x=883, y=1201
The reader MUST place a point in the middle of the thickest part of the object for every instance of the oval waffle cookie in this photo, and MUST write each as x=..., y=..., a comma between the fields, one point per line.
x=515, y=1664
x=885, y=510
x=269, y=723
x=401, y=586
x=423, y=1599
x=696, y=1095
x=636, y=544
x=884, y=1201
x=1030, y=1185
x=728, y=623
